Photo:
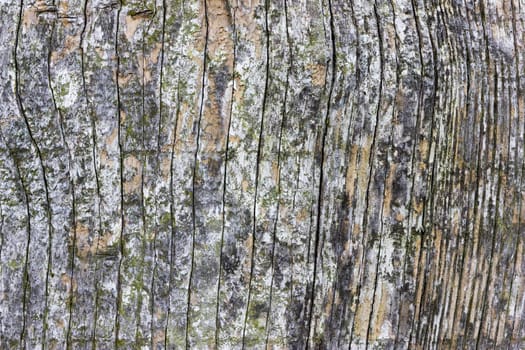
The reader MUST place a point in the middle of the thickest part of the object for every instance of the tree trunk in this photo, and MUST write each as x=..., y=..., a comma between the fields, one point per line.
x=262, y=174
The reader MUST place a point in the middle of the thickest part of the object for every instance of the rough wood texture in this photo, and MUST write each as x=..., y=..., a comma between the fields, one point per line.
x=262, y=174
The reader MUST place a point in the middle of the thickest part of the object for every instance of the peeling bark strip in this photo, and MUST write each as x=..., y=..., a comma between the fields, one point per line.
x=262, y=174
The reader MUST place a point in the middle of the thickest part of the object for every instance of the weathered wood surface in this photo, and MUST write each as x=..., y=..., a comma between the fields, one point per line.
x=262, y=174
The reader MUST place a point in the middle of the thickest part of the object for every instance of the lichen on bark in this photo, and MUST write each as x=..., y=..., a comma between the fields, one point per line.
x=262, y=174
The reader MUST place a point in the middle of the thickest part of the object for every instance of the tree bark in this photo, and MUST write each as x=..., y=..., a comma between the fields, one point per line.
x=262, y=174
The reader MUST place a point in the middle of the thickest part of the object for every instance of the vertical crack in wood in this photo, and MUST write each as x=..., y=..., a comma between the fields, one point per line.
x=319, y=233
x=159, y=172
x=274, y=226
x=42, y=168
x=98, y=199
x=194, y=170
x=172, y=209
x=224, y=177
x=73, y=196
x=415, y=136
x=121, y=175
x=258, y=160
x=370, y=162
x=519, y=93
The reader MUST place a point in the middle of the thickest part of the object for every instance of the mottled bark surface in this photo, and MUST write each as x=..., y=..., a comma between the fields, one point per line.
x=328, y=174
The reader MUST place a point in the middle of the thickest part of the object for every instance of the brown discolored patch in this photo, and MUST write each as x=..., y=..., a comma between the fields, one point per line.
x=123, y=79
x=123, y=116
x=29, y=17
x=418, y=271
x=193, y=299
x=71, y=43
x=248, y=244
x=82, y=243
x=387, y=204
x=361, y=317
x=213, y=127
x=112, y=138
x=515, y=215
x=418, y=206
x=143, y=67
x=105, y=159
x=131, y=163
x=132, y=23
x=86, y=244
x=302, y=215
x=424, y=148
x=165, y=167
x=275, y=171
x=234, y=140
x=351, y=172
x=59, y=322
x=240, y=88
x=153, y=57
x=69, y=283
x=63, y=8
x=220, y=52
x=103, y=243
x=220, y=39
x=158, y=338
x=329, y=302
x=318, y=72
x=364, y=166
x=381, y=306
